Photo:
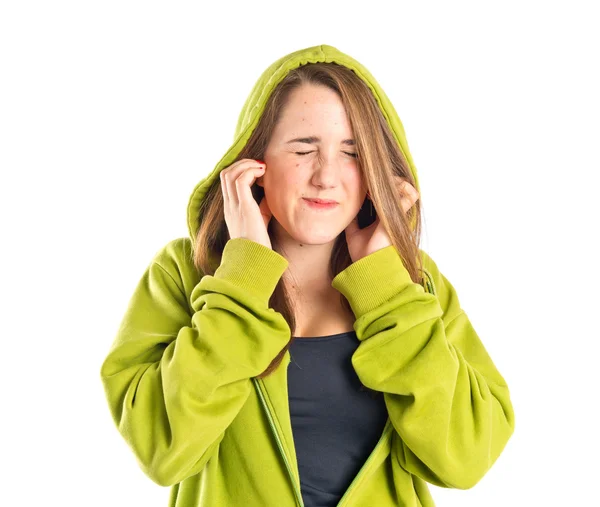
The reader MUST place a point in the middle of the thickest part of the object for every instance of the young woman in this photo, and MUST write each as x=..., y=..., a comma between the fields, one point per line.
x=295, y=353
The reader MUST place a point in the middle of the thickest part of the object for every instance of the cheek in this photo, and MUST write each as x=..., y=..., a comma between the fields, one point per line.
x=282, y=187
x=285, y=183
x=356, y=186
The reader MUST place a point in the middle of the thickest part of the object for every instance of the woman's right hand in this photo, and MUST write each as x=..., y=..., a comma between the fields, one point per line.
x=245, y=218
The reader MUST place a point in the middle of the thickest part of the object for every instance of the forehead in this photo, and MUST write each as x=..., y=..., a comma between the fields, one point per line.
x=313, y=111
x=313, y=99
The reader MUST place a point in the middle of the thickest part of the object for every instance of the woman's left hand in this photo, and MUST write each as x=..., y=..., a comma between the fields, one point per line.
x=363, y=242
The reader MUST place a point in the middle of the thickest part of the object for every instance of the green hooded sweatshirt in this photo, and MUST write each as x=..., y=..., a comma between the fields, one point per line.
x=180, y=375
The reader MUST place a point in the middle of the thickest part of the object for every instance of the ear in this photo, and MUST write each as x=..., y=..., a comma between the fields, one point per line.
x=259, y=182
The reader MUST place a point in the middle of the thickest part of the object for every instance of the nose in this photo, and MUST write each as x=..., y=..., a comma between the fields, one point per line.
x=326, y=171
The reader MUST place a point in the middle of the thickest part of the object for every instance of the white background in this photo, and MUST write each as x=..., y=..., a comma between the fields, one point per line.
x=111, y=112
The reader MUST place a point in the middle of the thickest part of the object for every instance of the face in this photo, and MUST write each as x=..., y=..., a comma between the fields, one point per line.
x=326, y=167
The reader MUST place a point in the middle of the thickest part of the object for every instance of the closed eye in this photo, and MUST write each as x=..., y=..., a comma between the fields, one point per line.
x=355, y=155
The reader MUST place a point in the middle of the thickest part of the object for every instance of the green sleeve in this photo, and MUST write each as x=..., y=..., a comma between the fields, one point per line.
x=179, y=369
x=448, y=403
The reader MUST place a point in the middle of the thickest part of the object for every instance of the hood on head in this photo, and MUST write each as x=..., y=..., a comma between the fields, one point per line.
x=256, y=101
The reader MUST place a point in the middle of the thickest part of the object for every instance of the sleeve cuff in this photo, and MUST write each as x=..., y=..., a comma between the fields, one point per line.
x=251, y=266
x=372, y=280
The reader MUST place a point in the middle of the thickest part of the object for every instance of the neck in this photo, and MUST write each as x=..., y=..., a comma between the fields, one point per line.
x=308, y=269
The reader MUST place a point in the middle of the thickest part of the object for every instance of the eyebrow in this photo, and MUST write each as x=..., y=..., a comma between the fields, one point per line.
x=316, y=139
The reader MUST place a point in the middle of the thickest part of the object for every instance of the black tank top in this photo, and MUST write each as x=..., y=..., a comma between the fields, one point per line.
x=336, y=423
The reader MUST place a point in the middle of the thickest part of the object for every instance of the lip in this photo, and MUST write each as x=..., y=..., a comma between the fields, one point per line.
x=320, y=204
x=321, y=201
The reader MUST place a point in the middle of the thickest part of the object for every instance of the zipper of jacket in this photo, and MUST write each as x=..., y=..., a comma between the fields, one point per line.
x=429, y=285
x=297, y=491
x=362, y=471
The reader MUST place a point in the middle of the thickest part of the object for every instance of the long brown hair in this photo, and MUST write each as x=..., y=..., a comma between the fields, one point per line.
x=380, y=159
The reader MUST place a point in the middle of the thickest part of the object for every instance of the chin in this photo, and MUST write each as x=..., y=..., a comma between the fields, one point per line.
x=310, y=234
x=316, y=237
